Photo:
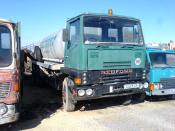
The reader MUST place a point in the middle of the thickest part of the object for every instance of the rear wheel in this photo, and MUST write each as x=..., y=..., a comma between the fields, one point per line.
x=68, y=104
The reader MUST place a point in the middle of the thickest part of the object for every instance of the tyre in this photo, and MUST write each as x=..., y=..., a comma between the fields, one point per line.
x=138, y=98
x=67, y=101
x=37, y=54
x=126, y=100
x=36, y=75
x=169, y=97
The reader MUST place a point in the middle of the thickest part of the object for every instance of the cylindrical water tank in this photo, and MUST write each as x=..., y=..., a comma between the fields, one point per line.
x=52, y=47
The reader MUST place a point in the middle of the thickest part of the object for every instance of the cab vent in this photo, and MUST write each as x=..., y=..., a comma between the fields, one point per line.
x=116, y=64
x=4, y=90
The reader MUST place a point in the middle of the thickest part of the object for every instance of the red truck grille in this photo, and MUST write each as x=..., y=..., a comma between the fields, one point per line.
x=4, y=90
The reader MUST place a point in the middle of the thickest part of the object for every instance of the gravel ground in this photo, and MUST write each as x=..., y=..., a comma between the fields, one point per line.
x=42, y=112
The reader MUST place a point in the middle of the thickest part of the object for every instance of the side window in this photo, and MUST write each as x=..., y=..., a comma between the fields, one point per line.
x=75, y=32
x=5, y=46
x=170, y=59
x=5, y=41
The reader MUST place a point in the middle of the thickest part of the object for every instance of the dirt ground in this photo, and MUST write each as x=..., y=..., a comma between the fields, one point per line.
x=41, y=111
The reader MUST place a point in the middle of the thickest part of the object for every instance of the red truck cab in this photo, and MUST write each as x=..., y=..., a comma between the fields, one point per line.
x=10, y=72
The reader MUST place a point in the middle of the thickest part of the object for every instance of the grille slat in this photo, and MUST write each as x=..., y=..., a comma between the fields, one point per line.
x=116, y=64
x=168, y=83
x=4, y=90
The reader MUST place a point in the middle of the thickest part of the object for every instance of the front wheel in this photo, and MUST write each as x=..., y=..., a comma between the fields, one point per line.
x=139, y=98
x=126, y=100
x=68, y=104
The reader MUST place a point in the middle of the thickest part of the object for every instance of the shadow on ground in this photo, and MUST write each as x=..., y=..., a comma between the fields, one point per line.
x=41, y=102
x=38, y=103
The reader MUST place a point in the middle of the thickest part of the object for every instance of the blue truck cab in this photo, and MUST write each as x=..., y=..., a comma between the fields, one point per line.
x=161, y=72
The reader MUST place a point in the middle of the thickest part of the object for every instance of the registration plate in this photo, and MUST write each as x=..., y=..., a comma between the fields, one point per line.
x=172, y=91
x=131, y=86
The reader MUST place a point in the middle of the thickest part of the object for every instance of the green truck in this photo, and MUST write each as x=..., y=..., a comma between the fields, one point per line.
x=95, y=56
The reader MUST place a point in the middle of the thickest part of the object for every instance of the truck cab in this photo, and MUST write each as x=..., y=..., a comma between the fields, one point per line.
x=10, y=77
x=104, y=57
x=161, y=72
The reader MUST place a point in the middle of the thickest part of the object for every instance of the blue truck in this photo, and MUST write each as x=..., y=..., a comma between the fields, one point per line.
x=161, y=72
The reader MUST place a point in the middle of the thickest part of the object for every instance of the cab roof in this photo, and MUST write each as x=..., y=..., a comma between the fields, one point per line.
x=159, y=50
x=104, y=15
x=5, y=21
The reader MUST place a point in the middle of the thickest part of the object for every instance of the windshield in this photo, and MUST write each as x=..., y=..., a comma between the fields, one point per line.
x=5, y=46
x=111, y=30
x=162, y=60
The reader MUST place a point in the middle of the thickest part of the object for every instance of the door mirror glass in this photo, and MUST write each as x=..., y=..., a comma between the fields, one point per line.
x=65, y=35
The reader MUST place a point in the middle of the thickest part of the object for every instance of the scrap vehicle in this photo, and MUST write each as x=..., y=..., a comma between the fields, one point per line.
x=10, y=71
x=161, y=72
x=95, y=56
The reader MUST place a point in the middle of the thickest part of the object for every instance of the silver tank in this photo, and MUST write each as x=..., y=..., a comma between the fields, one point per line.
x=52, y=47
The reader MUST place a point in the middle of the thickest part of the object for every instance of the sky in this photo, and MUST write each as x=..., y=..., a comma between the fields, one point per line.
x=39, y=18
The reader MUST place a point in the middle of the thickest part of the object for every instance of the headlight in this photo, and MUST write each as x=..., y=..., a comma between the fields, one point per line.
x=145, y=85
x=3, y=109
x=81, y=92
x=138, y=61
x=89, y=92
x=158, y=86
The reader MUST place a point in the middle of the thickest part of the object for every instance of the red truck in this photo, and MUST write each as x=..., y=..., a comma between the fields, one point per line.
x=10, y=71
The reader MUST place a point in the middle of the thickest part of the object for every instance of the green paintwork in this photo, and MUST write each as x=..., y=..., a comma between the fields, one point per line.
x=114, y=58
x=82, y=56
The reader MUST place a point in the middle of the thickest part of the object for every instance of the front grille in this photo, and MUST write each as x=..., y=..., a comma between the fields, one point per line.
x=168, y=83
x=4, y=90
x=120, y=78
x=114, y=76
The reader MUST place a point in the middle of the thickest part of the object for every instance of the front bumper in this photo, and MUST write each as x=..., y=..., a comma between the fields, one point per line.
x=10, y=116
x=102, y=91
x=163, y=92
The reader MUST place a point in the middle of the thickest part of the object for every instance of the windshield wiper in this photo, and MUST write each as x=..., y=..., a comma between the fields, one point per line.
x=163, y=66
x=131, y=45
x=171, y=66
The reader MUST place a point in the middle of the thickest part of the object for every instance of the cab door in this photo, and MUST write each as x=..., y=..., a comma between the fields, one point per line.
x=71, y=59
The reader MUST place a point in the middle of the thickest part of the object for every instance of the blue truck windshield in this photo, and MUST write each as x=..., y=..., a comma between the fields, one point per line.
x=5, y=47
x=162, y=60
x=112, y=30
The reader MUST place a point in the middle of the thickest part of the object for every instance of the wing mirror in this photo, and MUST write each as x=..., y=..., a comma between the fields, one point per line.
x=65, y=35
